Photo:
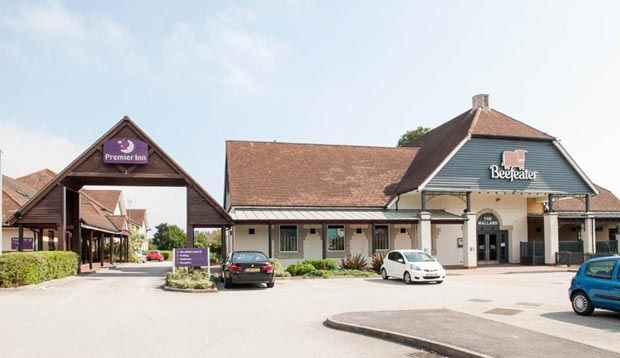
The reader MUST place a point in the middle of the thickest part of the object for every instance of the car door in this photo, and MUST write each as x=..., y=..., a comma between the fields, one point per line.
x=615, y=288
x=598, y=282
x=399, y=265
x=388, y=263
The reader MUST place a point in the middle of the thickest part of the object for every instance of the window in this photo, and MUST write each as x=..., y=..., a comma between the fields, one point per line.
x=600, y=269
x=313, y=231
x=288, y=238
x=403, y=230
x=418, y=257
x=335, y=238
x=358, y=230
x=251, y=231
x=381, y=240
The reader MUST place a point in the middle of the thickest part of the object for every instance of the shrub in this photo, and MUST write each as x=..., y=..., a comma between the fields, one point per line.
x=377, y=261
x=326, y=264
x=278, y=270
x=339, y=273
x=189, y=279
x=166, y=254
x=300, y=269
x=26, y=268
x=357, y=262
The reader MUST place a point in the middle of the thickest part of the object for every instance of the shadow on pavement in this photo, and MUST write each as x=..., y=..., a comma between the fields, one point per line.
x=603, y=320
x=396, y=282
x=142, y=271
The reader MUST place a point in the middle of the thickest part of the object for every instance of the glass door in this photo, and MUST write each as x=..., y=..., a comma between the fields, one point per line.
x=482, y=248
x=492, y=247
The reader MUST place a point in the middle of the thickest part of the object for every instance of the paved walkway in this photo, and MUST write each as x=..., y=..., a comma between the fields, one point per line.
x=508, y=269
x=473, y=333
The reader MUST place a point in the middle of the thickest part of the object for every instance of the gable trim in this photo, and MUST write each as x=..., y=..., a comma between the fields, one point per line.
x=445, y=161
x=575, y=166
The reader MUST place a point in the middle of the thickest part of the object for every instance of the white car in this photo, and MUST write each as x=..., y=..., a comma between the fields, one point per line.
x=412, y=266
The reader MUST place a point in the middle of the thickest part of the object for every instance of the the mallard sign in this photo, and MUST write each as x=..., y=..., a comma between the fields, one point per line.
x=512, y=167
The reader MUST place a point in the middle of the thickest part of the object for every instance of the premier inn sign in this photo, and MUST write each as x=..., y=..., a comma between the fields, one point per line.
x=512, y=167
x=125, y=151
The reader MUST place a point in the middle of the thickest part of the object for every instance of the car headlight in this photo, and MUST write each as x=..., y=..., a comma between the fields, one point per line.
x=414, y=267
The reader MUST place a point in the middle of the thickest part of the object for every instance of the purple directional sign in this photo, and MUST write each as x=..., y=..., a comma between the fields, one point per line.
x=125, y=151
x=191, y=257
x=28, y=243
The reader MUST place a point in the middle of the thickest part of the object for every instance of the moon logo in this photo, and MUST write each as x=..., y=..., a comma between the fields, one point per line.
x=129, y=147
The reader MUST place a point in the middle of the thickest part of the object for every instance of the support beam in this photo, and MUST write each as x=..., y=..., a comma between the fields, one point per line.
x=270, y=241
x=112, y=250
x=127, y=249
x=40, y=239
x=101, y=244
x=90, y=249
x=190, y=235
x=552, y=245
x=373, y=233
x=470, y=259
x=550, y=202
x=424, y=232
x=423, y=201
x=324, y=241
x=76, y=239
x=589, y=237
x=587, y=203
x=20, y=237
x=468, y=203
x=224, y=242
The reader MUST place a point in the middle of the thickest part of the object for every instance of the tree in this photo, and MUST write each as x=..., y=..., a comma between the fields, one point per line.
x=411, y=135
x=169, y=237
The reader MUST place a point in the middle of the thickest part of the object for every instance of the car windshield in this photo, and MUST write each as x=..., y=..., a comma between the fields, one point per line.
x=418, y=257
x=247, y=257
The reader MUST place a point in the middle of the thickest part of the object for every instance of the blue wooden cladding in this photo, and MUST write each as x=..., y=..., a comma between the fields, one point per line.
x=469, y=169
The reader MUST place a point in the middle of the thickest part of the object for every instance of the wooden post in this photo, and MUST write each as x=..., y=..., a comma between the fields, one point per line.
x=101, y=242
x=90, y=249
x=468, y=200
x=422, y=201
x=372, y=239
x=269, y=228
x=20, y=237
x=40, y=239
x=224, y=252
x=127, y=249
x=324, y=237
x=190, y=235
x=76, y=238
x=112, y=250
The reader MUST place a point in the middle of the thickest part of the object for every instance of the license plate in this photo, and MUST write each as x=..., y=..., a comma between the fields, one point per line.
x=252, y=269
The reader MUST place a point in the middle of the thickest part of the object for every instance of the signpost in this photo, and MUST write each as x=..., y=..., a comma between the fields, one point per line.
x=191, y=257
x=28, y=243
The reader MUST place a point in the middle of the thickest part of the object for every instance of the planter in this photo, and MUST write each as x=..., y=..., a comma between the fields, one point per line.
x=203, y=290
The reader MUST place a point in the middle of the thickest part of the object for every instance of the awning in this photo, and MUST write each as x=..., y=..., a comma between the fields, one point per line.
x=242, y=215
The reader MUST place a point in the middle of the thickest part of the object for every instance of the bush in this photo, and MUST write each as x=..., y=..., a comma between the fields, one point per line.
x=278, y=270
x=339, y=273
x=27, y=268
x=300, y=269
x=167, y=254
x=327, y=264
x=357, y=262
x=377, y=262
x=189, y=279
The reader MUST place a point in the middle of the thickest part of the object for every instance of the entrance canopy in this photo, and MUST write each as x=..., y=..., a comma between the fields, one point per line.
x=123, y=156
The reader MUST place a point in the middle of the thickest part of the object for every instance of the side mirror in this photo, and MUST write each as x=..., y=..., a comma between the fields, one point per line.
x=401, y=261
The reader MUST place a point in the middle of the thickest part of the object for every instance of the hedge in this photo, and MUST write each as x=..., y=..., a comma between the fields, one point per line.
x=27, y=268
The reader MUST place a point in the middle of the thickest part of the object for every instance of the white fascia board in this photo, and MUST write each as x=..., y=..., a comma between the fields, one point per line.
x=572, y=162
x=444, y=162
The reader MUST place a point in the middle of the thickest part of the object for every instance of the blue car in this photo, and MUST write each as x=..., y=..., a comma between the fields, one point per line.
x=596, y=285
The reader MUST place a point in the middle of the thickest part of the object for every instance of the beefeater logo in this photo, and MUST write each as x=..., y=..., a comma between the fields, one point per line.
x=512, y=167
x=514, y=158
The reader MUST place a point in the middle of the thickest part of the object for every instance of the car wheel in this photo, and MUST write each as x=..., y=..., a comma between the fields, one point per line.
x=582, y=304
x=270, y=284
x=227, y=283
x=407, y=277
x=384, y=274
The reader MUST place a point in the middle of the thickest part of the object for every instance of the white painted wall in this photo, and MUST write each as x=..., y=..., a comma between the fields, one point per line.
x=8, y=233
x=313, y=246
x=359, y=244
x=510, y=209
x=244, y=241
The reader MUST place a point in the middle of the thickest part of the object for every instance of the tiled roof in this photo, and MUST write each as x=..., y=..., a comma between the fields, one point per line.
x=137, y=215
x=605, y=201
x=288, y=174
x=119, y=222
x=490, y=122
x=14, y=195
x=38, y=179
x=93, y=215
x=108, y=198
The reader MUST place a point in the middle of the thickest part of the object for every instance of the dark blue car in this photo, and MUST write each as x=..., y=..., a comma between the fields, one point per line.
x=596, y=285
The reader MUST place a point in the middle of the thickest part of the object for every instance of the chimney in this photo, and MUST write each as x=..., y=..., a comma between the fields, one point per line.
x=480, y=101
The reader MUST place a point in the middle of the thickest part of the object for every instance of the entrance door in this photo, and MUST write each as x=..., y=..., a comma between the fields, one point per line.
x=488, y=248
x=503, y=247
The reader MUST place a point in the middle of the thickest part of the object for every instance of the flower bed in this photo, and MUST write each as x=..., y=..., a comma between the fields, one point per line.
x=327, y=268
x=184, y=279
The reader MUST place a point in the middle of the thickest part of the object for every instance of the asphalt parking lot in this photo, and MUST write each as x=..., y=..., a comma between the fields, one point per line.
x=125, y=312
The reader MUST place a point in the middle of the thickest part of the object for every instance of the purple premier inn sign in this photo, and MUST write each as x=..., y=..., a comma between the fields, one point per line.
x=28, y=243
x=191, y=257
x=125, y=151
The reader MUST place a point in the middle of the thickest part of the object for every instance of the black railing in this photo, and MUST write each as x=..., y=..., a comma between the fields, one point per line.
x=576, y=258
x=571, y=246
x=610, y=247
x=532, y=253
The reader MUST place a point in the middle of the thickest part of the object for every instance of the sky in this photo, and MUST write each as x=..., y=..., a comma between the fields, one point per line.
x=198, y=73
